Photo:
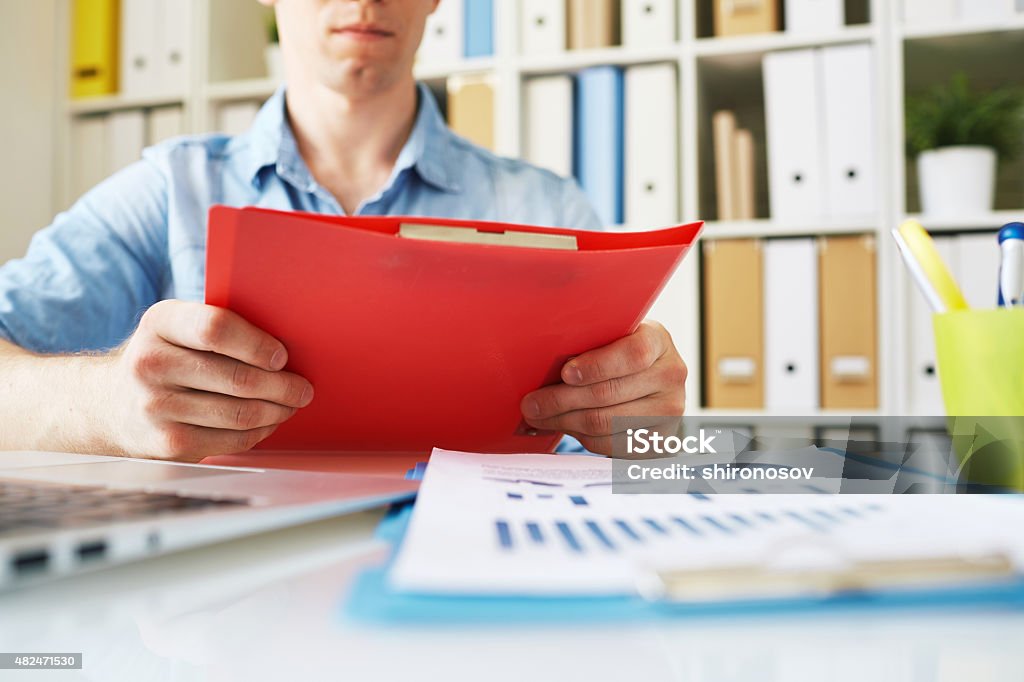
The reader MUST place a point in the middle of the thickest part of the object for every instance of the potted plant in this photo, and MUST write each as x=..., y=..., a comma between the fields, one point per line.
x=958, y=134
x=272, y=52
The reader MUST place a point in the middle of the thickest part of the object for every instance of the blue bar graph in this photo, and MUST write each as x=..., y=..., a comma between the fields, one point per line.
x=656, y=527
x=568, y=536
x=742, y=520
x=715, y=523
x=578, y=500
x=534, y=531
x=687, y=525
x=765, y=516
x=504, y=534
x=514, y=496
x=601, y=536
x=804, y=520
x=628, y=530
x=700, y=496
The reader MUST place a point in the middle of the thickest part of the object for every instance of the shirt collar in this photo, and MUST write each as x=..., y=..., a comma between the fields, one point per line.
x=429, y=150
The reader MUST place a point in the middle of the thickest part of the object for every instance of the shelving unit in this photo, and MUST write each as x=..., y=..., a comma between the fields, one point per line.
x=712, y=73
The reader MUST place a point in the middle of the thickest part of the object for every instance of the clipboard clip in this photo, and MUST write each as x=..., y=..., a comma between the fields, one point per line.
x=470, y=235
x=747, y=582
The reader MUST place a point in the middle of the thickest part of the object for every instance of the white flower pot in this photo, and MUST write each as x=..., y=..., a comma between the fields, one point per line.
x=957, y=181
x=275, y=66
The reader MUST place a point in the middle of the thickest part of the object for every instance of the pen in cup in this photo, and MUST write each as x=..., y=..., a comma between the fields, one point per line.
x=1011, y=266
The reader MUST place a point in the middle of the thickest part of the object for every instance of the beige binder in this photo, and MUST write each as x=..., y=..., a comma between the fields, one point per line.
x=471, y=108
x=723, y=127
x=746, y=192
x=592, y=23
x=738, y=17
x=733, y=324
x=847, y=295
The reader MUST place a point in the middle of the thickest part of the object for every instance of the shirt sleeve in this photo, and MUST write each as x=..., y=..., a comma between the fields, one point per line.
x=90, y=275
x=577, y=213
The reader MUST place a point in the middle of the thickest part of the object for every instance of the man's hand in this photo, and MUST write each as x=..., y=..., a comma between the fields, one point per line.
x=195, y=380
x=641, y=375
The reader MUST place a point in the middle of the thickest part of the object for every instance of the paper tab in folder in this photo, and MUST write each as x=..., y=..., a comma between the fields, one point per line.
x=551, y=525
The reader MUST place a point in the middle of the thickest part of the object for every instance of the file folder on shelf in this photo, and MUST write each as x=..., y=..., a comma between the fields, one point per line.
x=792, y=103
x=235, y=118
x=929, y=12
x=592, y=23
x=89, y=153
x=174, y=50
x=599, y=140
x=647, y=23
x=925, y=393
x=848, y=105
x=443, y=36
x=413, y=343
x=723, y=131
x=814, y=16
x=471, y=108
x=791, y=324
x=94, y=42
x=164, y=123
x=849, y=365
x=548, y=117
x=739, y=17
x=746, y=177
x=479, y=28
x=140, y=38
x=733, y=324
x=542, y=28
x=126, y=138
x=651, y=145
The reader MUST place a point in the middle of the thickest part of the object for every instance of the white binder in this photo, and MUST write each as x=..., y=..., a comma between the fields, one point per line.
x=164, y=123
x=648, y=22
x=651, y=138
x=126, y=137
x=443, y=40
x=925, y=393
x=173, y=51
x=548, y=123
x=793, y=125
x=236, y=117
x=140, y=38
x=88, y=154
x=977, y=268
x=848, y=104
x=791, y=324
x=929, y=12
x=814, y=16
x=985, y=10
x=542, y=26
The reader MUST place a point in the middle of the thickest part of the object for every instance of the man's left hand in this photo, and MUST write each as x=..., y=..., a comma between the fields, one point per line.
x=641, y=375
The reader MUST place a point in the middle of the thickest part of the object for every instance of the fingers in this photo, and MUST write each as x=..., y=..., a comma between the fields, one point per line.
x=629, y=355
x=601, y=421
x=204, y=371
x=208, y=328
x=217, y=411
x=190, y=443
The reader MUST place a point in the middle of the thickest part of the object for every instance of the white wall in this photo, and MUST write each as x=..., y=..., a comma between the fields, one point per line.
x=28, y=104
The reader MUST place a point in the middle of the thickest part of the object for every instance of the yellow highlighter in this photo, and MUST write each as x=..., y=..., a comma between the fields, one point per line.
x=925, y=264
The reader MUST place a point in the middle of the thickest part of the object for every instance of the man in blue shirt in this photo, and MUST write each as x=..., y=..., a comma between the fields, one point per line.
x=105, y=345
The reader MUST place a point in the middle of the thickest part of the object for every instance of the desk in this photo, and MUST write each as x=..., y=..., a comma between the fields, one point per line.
x=268, y=608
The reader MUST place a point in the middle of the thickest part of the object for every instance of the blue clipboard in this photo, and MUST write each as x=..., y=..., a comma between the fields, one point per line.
x=373, y=601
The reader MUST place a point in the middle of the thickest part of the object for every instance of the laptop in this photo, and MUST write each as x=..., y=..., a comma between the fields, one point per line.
x=62, y=513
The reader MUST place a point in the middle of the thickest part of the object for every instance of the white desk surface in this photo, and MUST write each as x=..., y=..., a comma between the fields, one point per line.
x=270, y=608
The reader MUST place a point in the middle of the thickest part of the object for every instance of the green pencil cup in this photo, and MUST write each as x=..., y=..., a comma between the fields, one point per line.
x=981, y=368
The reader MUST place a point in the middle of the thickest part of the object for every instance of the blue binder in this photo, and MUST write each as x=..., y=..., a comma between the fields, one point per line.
x=598, y=145
x=479, y=28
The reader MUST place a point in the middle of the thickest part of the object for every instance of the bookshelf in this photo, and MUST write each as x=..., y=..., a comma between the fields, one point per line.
x=226, y=66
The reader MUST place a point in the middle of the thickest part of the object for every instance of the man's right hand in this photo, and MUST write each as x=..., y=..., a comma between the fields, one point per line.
x=196, y=380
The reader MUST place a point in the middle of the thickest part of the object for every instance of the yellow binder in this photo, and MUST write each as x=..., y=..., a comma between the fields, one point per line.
x=94, y=32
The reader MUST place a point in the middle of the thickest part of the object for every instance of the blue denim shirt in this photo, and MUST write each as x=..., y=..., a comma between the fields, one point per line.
x=140, y=236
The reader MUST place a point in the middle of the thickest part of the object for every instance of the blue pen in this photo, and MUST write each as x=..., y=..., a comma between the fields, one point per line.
x=1011, y=266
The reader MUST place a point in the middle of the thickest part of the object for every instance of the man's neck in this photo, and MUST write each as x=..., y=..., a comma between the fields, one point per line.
x=349, y=145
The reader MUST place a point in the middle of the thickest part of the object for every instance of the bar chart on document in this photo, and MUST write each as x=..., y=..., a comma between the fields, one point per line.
x=543, y=525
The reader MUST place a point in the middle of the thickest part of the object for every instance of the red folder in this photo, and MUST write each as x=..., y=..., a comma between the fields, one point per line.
x=412, y=344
